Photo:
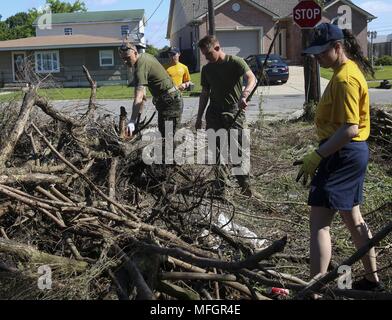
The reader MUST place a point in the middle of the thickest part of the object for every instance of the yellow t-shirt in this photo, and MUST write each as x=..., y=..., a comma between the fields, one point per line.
x=345, y=101
x=179, y=73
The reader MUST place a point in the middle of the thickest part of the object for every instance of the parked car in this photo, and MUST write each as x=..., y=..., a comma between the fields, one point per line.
x=276, y=71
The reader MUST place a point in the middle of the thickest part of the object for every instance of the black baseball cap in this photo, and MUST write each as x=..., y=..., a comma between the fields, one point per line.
x=174, y=50
x=324, y=35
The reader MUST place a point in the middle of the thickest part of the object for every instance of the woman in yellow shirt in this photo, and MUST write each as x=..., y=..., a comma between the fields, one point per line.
x=338, y=166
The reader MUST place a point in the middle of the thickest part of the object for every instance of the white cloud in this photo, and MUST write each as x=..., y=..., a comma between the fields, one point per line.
x=377, y=7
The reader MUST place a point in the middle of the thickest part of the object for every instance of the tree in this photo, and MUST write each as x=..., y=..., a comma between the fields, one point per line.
x=152, y=50
x=57, y=6
x=16, y=20
x=20, y=25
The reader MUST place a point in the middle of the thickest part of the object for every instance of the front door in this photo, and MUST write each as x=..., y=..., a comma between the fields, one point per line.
x=19, y=64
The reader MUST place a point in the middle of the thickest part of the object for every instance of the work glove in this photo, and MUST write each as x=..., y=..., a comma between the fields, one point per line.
x=130, y=128
x=309, y=164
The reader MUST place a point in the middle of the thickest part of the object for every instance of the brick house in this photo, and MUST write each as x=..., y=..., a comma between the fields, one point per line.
x=73, y=40
x=246, y=27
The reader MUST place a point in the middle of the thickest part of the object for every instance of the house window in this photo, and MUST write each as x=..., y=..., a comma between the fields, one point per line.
x=68, y=31
x=47, y=62
x=106, y=58
x=124, y=30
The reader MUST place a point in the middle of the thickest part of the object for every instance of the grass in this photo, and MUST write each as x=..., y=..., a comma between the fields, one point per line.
x=382, y=73
x=104, y=92
x=274, y=148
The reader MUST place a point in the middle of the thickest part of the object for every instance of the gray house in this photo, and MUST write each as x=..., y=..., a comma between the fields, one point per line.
x=382, y=46
x=64, y=42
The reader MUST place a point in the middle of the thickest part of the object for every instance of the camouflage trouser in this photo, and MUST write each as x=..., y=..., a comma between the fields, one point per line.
x=169, y=108
x=224, y=120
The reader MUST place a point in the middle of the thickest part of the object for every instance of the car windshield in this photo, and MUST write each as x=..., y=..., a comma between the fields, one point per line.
x=272, y=59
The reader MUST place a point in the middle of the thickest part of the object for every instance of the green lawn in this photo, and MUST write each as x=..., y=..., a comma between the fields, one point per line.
x=105, y=92
x=382, y=73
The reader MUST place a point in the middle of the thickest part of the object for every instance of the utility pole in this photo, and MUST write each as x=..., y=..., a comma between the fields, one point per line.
x=372, y=35
x=311, y=71
x=211, y=17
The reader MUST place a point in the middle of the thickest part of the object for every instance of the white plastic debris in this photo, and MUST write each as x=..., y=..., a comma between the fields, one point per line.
x=243, y=232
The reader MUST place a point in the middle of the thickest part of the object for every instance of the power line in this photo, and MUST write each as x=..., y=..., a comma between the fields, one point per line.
x=144, y=23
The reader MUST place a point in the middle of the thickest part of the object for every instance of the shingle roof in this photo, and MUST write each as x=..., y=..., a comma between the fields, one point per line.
x=57, y=42
x=96, y=16
x=194, y=9
x=275, y=7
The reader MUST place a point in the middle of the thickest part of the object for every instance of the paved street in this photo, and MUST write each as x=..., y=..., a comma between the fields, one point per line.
x=277, y=101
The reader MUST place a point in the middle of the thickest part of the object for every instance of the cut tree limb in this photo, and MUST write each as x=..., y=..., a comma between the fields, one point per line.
x=315, y=286
x=8, y=144
x=82, y=175
x=36, y=178
x=35, y=256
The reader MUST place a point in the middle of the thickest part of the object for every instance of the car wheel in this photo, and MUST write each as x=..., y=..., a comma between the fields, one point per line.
x=284, y=81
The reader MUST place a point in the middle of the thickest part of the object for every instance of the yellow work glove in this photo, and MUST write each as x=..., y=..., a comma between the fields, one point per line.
x=309, y=165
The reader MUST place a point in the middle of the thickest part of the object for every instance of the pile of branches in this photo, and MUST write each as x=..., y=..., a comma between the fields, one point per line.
x=82, y=217
x=381, y=130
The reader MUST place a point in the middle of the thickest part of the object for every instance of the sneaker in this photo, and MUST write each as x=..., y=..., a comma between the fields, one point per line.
x=367, y=285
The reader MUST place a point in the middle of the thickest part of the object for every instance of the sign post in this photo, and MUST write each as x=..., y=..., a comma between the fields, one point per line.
x=307, y=14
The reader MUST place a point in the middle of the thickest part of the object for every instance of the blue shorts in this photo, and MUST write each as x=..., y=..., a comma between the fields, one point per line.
x=338, y=183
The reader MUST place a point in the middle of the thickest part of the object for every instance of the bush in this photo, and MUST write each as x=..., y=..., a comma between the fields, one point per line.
x=309, y=111
x=384, y=61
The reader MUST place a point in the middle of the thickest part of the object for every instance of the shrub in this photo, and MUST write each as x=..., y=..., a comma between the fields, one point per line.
x=384, y=61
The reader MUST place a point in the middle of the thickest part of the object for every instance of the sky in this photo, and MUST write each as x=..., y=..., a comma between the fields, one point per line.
x=155, y=31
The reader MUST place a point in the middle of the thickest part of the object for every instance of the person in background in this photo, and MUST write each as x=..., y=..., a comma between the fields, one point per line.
x=221, y=80
x=178, y=72
x=338, y=165
x=150, y=73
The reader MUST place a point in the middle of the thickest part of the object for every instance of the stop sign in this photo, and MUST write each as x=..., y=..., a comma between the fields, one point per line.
x=307, y=14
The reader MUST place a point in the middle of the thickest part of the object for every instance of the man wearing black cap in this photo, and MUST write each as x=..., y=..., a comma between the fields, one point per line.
x=178, y=72
x=148, y=72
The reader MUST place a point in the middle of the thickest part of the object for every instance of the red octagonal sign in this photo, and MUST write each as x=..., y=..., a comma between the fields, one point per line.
x=307, y=14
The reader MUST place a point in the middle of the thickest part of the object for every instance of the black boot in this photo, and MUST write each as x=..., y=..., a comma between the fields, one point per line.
x=367, y=285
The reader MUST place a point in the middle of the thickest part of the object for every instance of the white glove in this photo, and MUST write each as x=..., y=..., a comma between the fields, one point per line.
x=130, y=128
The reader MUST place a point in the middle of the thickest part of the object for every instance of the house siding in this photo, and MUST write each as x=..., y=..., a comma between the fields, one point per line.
x=359, y=25
x=71, y=62
x=6, y=67
x=110, y=30
x=248, y=16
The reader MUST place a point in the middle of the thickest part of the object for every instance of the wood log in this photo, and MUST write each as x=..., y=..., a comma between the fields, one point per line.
x=235, y=285
x=177, y=291
x=196, y=276
x=31, y=178
x=32, y=255
x=7, y=144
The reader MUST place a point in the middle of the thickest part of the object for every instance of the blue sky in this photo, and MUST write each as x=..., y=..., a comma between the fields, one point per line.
x=156, y=27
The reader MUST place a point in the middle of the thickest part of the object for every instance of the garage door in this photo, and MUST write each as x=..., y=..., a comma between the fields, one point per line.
x=239, y=43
